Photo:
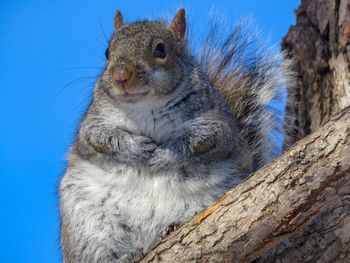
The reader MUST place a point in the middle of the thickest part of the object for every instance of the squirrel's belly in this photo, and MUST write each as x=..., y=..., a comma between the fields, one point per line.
x=137, y=187
x=142, y=203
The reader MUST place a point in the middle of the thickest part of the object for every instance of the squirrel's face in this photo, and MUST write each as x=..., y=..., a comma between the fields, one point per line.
x=144, y=58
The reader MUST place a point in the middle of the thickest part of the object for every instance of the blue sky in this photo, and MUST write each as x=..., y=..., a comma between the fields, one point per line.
x=45, y=90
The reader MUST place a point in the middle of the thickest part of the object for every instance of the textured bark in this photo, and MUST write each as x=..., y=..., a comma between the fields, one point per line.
x=277, y=202
x=319, y=43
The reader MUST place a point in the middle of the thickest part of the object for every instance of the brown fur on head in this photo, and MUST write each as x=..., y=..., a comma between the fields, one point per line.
x=144, y=58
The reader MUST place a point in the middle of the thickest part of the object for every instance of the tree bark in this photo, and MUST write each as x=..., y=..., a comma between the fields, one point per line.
x=278, y=201
x=319, y=43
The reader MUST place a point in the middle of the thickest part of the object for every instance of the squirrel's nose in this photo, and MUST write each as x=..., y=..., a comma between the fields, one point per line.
x=121, y=75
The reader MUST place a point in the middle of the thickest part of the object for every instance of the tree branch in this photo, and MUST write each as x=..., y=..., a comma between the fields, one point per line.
x=277, y=201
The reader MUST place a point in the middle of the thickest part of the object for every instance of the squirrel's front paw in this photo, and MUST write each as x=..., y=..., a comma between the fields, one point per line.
x=141, y=149
x=201, y=146
x=169, y=229
x=162, y=158
x=133, y=257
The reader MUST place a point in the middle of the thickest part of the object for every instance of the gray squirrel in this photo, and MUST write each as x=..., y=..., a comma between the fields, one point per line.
x=165, y=136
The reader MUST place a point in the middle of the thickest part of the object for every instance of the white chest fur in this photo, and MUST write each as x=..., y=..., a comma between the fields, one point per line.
x=145, y=203
x=146, y=119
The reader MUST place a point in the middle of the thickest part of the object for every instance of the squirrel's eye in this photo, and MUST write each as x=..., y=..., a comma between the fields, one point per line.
x=107, y=53
x=159, y=51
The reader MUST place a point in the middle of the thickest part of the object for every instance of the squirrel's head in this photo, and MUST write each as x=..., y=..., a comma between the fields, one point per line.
x=144, y=59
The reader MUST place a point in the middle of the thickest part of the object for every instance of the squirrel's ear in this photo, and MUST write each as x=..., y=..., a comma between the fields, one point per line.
x=118, y=20
x=178, y=25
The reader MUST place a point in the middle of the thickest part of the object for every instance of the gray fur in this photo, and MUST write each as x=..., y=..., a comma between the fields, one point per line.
x=138, y=167
x=253, y=78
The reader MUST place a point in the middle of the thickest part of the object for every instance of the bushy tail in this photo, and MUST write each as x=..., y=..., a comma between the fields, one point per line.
x=253, y=78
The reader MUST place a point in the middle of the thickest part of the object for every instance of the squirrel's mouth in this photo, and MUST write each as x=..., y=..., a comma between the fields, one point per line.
x=128, y=94
x=132, y=96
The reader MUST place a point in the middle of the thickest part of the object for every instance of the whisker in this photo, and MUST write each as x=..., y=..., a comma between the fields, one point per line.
x=100, y=42
x=89, y=97
x=69, y=84
x=77, y=68
x=98, y=56
x=77, y=107
x=103, y=31
x=84, y=88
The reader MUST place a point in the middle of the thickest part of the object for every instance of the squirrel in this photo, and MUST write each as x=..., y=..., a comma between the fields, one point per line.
x=165, y=136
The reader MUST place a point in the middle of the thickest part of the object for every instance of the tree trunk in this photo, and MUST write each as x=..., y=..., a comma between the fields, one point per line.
x=278, y=201
x=319, y=43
